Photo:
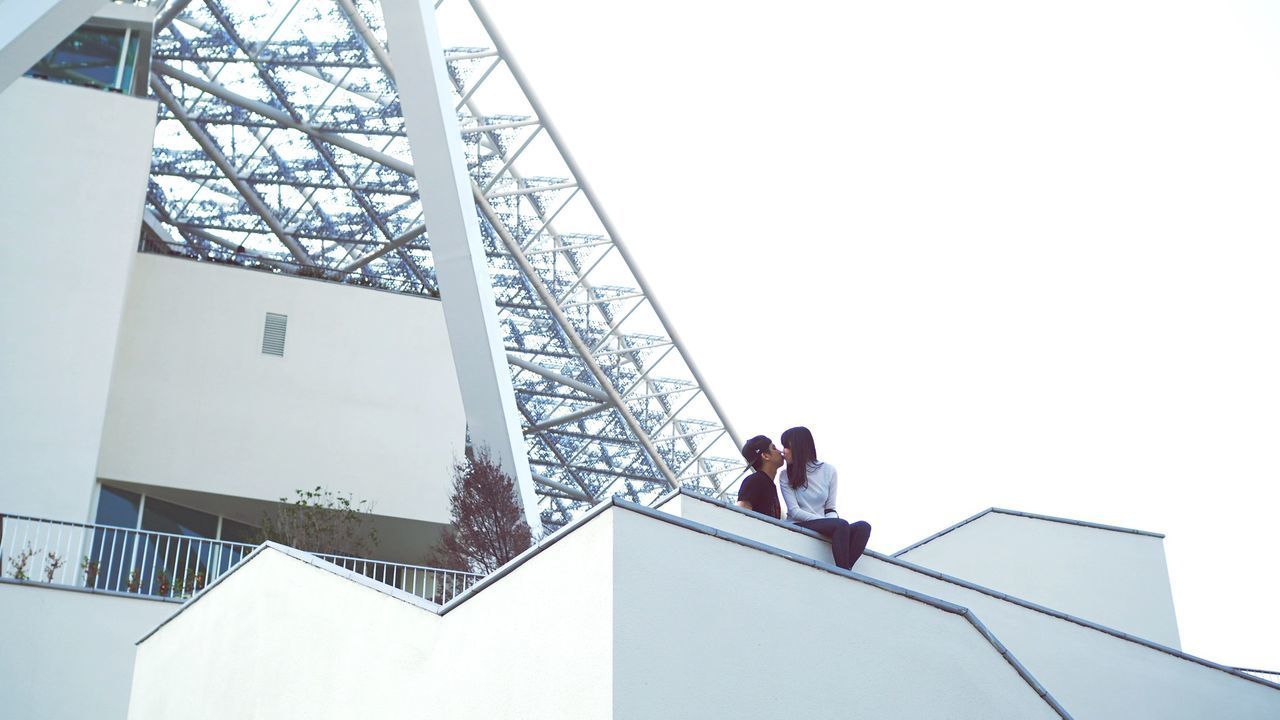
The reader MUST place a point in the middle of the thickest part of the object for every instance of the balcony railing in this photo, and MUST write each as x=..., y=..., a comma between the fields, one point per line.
x=166, y=566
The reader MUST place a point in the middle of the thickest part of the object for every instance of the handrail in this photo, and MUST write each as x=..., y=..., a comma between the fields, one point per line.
x=168, y=566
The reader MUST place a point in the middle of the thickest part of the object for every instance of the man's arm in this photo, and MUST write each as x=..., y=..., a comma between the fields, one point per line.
x=745, y=492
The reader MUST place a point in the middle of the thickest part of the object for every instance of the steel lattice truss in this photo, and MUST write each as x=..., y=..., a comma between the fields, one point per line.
x=281, y=146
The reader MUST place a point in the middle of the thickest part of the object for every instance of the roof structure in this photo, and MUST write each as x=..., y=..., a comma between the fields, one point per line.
x=281, y=146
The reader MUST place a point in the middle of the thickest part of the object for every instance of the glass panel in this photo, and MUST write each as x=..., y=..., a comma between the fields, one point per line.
x=112, y=561
x=130, y=60
x=90, y=56
x=234, y=532
x=118, y=507
x=162, y=516
x=225, y=556
x=240, y=532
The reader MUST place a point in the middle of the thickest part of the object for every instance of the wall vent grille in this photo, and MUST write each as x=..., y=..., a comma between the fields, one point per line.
x=273, y=334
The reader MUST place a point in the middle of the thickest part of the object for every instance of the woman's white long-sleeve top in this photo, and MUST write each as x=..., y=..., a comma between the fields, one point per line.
x=816, y=499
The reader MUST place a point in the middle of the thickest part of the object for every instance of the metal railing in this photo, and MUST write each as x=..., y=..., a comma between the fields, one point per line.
x=435, y=584
x=168, y=566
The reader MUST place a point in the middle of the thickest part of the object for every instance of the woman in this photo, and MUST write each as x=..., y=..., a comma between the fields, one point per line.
x=809, y=491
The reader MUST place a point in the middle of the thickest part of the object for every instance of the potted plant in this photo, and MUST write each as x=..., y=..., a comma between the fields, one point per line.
x=20, y=562
x=194, y=581
x=90, y=570
x=52, y=562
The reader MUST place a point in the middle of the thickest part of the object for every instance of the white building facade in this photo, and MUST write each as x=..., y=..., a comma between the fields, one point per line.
x=250, y=252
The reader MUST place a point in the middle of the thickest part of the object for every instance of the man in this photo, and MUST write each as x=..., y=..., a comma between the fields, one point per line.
x=757, y=491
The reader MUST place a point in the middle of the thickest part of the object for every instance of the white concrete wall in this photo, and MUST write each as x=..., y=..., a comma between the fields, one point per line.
x=686, y=607
x=282, y=639
x=627, y=616
x=1093, y=674
x=71, y=194
x=538, y=644
x=365, y=399
x=1116, y=579
x=69, y=654
x=1099, y=676
x=279, y=638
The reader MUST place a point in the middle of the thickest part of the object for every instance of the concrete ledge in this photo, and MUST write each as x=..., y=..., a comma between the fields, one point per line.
x=894, y=560
x=1033, y=516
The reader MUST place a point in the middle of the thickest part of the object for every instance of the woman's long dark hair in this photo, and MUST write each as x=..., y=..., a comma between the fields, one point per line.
x=800, y=441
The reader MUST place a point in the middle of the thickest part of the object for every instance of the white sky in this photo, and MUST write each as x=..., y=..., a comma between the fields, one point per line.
x=991, y=253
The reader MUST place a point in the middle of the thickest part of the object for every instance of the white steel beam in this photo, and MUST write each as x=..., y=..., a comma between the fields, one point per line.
x=29, y=29
x=537, y=369
x=483, y=16
x=571, y=417
x=531, y=190
x=281, y=117
x=571, y=492
x=544, y=294
x=449, y=213
x=251, y=196
x=395, y=244
x=498, y=126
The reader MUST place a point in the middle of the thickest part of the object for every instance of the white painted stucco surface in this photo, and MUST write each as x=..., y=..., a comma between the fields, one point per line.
x=656, y=611
x=1093, y=674
x=69, y=654
x=538, y=644
x=707, y=628
x=71, y=195
x=280, y=638
x=292, y=640
x=365, y=399
x=1116, y=579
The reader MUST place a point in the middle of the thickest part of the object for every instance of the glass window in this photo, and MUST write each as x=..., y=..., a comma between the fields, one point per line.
x=118, y=507
x=110, y=559
x=162, y=516
x=94, y=56
x=239, y=532
x=125, y=85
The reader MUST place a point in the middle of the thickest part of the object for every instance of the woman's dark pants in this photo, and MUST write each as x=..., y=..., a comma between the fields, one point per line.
x=848, y=540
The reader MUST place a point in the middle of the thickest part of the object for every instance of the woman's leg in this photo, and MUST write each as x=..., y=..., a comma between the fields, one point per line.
x=837, y=531
x=840, y=547
x=859, y=534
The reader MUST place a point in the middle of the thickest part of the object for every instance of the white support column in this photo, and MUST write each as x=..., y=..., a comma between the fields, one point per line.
x=449, y=213
x=31, y=28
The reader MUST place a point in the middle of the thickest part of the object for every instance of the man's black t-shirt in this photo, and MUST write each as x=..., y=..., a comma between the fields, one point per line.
x=758, y=489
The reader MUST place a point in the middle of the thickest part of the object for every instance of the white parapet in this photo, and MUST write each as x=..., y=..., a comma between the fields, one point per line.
x=711, y=627
x=280, y=637
x=69, y=653
x=1114, y=576
x=1094, y=671
x=654, y=617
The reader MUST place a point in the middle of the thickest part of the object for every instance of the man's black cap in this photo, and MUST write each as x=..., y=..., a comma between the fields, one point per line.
x=754, y=448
